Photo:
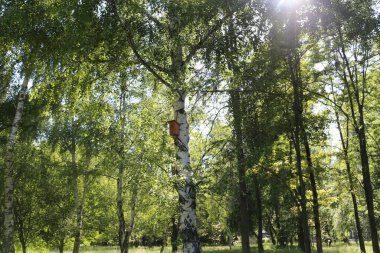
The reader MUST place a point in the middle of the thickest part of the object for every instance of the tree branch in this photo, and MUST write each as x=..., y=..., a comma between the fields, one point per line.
x=194, y=48
x=149, y=66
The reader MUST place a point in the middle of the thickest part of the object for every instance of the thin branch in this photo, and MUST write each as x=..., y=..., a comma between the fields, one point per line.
x=149, y=66
x=329, y=100
x=194, y=48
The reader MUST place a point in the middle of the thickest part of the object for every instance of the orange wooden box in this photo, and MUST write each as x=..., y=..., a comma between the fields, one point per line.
x=173, y=128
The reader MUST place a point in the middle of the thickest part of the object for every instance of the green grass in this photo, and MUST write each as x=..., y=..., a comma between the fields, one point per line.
x=335, y=248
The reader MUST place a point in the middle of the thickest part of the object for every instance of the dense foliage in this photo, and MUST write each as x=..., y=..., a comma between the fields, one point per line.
x=279, y=99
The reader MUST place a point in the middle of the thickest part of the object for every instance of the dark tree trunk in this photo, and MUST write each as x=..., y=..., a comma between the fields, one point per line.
x=22, y=238
x=301, y=238
x=351, y=183
x=297, y=96
x=368, y=187
x=61, y=245
x=318, y=232
x=294, y=64
x=174, y=235
x=241, y=165
x=20, y=217
x=259, y=216
x=120, y=212
x=350, y=79
x=23, y=247
x=272, y=233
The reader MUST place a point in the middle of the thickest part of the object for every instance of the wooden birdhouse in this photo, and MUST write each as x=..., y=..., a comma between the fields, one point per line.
x=173, y=128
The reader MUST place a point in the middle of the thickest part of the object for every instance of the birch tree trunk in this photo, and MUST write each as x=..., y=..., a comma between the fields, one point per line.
x=8, y=245
x=185, y=185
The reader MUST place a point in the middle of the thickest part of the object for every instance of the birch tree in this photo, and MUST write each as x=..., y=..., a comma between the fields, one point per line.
x=180, y=45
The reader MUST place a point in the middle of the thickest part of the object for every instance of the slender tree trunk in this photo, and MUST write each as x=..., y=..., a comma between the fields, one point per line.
x=164, y=242
x=259, y=216
x=185, y=186
x=318, y=232
x=278, y=223
x=8, y=242
x=79, y=215
x=297, y=96
x=272, y=232
x=301, y=237
x=120, y=211
x=123, y=229
x=23, y=246
x=294, y=64
x=368, y=186
x=133, y=214
x=174, y=235
x=241, y=164
x=353, y=89
x=230, y=240
x=61, y=244
x=351, y=183
x=19, y=224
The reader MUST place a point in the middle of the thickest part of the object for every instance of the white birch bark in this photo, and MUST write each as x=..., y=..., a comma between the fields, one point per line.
x=8, y=245
x=185, y=187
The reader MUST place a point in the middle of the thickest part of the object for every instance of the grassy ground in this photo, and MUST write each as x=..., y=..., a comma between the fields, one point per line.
x=335, y=248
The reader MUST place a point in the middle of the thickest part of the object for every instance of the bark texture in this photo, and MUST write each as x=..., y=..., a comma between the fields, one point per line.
x=185, y=185
x=9, y=226
x=241, y=165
